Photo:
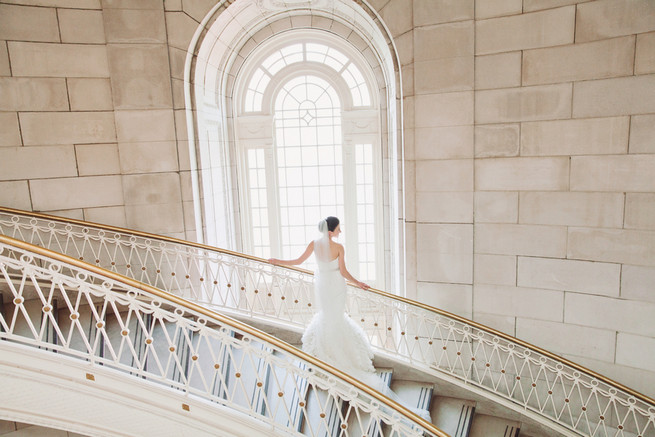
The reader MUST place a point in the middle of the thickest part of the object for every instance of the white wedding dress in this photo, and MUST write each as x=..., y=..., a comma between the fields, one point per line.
x=332, y=336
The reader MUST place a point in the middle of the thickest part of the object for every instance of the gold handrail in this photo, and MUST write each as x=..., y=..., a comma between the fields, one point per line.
x=429, y=308
x=225, y=320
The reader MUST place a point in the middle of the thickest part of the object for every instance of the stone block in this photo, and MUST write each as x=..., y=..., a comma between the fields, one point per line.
x=81, y=26
x=498, y=8
x=504, y=324
x=448, y=109
x=522, y=174
x=5, y=70
x=134, y=25
x=645, y=53
x=576, y=62
x=75, y=214
x=640, y=211
x=589, y=342
x=494, y=269
x=498, y=71
x=635, y=350
x=519, y=302
x=130, y=4
x=629, y=376
x=444, y=175
x=444, y=253
x=68, y=193
x=164, y=218
x=37, y=162
x=97, y=159
x=608, y=18
x=549, y=28
x=443, y=142
x=108, y=215
x=397, y=16
x=25, y=23
x=9, y=130
x=454, y=298
x=496, y=207
x=528, y=240
x=602, y=210
x=405, y=48
x=67, y=127
x=428, y=12
x=443, y=75
x=180, y=29
x=617, y=173
x=140, y=76
x=444, y=207
x=637, y=283
x=499, y=140
x=22, y=94
x=152, y=189
x=452, y=40
x=15, y=194
x=141, y=126
x=58, y=60
x=591, y=136
x=71, y=4
x=610, y=313
x=612, y=245
x=618, y=96
x=409, y=191
x=148, y=157
x=570, y=275
x=544, y=102
x=537, y=5
x=90, y=94
x=642, y=134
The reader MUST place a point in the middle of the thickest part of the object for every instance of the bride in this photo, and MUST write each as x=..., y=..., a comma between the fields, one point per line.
x=332, y=336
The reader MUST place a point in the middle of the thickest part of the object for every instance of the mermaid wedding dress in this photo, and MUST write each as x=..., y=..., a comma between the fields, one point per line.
x=332, y=336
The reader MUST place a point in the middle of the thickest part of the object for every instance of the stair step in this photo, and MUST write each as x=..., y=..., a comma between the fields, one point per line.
x=453, y=415
x=416, y=394
x=18, y=429
x=491, y=426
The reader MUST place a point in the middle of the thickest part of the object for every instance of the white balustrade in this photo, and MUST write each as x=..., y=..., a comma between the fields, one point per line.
x=59, y=305
x=539, y=384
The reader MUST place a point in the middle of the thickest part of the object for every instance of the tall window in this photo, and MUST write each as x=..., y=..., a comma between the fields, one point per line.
x=317, y=154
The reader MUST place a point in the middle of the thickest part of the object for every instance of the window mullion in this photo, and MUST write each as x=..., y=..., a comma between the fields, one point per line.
x=350, y=206
x=272, y=189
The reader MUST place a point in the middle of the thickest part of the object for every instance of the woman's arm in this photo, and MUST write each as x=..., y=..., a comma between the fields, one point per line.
x=294, y=262
x=344, y=271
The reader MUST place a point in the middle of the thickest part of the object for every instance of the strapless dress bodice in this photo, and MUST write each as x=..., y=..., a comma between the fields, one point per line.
x=328, y=266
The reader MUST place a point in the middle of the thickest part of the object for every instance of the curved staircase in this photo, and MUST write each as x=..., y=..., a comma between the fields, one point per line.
x=475, y=381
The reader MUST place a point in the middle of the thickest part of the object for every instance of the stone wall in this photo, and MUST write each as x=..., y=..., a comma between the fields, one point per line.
x=88, y=122
x=529, y=145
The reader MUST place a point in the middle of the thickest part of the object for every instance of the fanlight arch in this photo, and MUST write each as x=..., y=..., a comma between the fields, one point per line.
x=226, y=41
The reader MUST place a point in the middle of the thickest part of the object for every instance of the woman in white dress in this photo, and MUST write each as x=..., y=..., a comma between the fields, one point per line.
x=332, y=336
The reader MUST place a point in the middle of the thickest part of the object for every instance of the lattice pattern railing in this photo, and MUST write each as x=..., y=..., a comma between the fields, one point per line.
x=534, y=381
x=62, y=307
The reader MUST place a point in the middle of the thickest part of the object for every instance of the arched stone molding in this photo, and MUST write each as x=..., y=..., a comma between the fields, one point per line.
x=227, y=36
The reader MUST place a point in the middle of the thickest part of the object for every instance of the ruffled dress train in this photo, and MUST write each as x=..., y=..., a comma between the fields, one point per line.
x=332, y=336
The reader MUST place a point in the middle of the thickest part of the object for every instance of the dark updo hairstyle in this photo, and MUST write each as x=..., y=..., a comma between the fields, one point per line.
x=332, y=223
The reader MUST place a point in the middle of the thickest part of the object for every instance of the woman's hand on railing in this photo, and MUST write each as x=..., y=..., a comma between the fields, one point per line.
x=362, y=285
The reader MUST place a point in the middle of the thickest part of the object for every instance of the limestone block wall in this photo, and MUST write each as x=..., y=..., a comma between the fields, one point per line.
x=88, y=114
x=530, y=145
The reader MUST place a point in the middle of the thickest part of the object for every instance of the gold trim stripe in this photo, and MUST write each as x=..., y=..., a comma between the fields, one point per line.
x=472, y=323
x=224, y=320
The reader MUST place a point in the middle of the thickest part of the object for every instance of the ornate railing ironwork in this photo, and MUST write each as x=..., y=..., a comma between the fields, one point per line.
x=62, y=305
x=548, y=388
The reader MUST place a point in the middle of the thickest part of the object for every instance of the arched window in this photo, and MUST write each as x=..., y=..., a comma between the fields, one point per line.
x=308, y=139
